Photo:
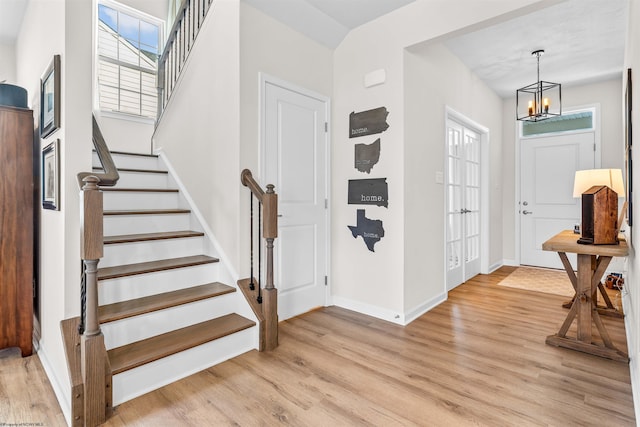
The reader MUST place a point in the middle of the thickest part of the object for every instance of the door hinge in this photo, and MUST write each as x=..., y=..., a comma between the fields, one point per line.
x=594, y=147
x=326, y=126
x=326, y=203
x=326, y=281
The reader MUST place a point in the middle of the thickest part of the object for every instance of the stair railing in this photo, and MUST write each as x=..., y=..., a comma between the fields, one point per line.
x=268, y=224
x=94, y=363
x=180, y=40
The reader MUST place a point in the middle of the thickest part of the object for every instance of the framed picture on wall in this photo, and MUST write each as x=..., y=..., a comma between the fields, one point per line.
x=51, y=176
x=50, y=98
x=628, y=146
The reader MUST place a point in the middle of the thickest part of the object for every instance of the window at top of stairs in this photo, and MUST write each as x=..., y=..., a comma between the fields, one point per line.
x=129, y=43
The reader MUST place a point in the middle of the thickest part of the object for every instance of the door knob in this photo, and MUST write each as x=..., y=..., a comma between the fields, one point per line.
x=525, y=203
x=526, y=213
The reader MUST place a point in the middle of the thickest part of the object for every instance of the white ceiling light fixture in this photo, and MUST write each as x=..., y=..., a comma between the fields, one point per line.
x=540, y=100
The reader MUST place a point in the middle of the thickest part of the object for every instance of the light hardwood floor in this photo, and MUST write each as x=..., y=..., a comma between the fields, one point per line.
x=480, y=358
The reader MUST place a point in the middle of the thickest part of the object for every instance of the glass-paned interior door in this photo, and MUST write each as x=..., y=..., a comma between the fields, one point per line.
x=463, y=204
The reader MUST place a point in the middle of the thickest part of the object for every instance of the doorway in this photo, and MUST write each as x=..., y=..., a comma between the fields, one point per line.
x=465, y=192
x=294, y=157
x=548, y=163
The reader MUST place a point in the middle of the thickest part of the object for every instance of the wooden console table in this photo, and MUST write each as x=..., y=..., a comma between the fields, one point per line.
x=593, y=261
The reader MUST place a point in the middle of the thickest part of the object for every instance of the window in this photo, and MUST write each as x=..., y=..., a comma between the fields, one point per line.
x=567, y=122
x=128, y=51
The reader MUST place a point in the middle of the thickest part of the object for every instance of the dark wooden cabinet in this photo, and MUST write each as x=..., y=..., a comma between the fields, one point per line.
x=16, y=228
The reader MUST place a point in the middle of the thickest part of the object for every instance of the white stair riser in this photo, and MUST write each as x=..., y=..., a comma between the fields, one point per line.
x=154, y=250
x=142, y=285
x=149, y=377
x=120, y=200
x=142, y=180
x=129, y=161
x=126, y=331
x=133, y=224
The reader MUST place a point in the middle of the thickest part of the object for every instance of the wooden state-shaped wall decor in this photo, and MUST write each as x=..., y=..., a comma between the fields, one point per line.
x=368, y=122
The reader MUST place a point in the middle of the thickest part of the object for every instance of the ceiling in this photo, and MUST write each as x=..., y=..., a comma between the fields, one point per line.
x=326, y=21
x=583, y=39
x=11, y=13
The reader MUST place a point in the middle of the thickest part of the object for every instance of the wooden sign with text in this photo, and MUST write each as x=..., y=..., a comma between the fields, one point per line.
x=368, y=122
x=369, y=192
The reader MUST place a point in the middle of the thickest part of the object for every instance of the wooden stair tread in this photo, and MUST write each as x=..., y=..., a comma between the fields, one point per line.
x=97, y=168
x=141, y=352
x=125, y=309
x=151, y=266
x=144, y=237
x=147, y=212
x=142, y=190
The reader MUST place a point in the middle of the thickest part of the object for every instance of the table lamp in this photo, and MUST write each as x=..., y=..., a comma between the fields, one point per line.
x=599, y=189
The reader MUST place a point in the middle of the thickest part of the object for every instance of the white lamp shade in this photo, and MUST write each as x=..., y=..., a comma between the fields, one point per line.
x=585, y=179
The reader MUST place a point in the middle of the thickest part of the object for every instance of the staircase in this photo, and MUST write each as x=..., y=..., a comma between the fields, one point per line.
x=166, y=306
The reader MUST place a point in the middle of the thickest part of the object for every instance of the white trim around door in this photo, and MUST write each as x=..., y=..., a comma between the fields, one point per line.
x=483, y=132
x=284, y=110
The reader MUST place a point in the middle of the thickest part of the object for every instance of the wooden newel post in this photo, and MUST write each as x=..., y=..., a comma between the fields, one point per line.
x=92, y=343
x=270, y=299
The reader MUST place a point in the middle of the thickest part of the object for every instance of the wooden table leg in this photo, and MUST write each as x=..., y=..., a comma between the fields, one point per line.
x=590, y=270
x=583, y=298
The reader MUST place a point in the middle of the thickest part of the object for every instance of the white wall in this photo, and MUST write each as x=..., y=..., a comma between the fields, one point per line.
x=200, y=128
x=605, y=93
x=157, y=8
x=60, y=27
x=7, y=63
x=631, y=300
x=375, y=283
x=124, y=134
x=220, y=136
x=435, y=79
x=267, y=46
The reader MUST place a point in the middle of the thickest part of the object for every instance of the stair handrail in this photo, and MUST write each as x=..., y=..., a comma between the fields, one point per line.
x=269, y=222
x=180, y=39
x=110, y=176
x=93, y=353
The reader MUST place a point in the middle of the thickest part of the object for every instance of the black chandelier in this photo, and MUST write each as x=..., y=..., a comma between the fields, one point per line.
x=540, y=100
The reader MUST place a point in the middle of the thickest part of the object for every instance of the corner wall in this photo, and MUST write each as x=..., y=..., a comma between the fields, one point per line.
x=7, y=63
x=631, y=299
x=381, y=283
x=436, y=79
x=268, y=46
x=49, y=28
x=201, y=125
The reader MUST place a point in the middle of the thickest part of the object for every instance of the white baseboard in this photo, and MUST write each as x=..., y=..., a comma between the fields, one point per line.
x=386, y=314
x=634, y=369
x=510, y=262
x=58, y=389
x=424, y=307
x=369, y=310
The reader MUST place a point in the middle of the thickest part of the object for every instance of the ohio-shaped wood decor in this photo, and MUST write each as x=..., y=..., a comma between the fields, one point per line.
x=368, y=122
x=366, y=156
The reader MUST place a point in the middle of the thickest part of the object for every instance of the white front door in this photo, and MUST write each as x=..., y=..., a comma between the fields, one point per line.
x=547, y=169
x=295, y=161
x=463, y=203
